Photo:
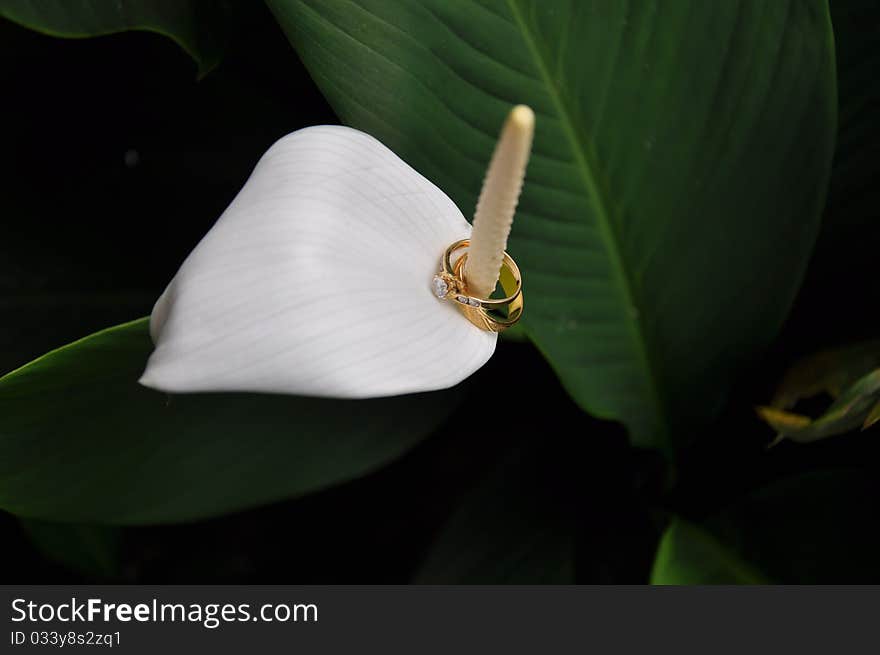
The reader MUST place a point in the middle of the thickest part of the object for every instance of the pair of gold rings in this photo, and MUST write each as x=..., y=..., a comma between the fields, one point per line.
x=491, y=314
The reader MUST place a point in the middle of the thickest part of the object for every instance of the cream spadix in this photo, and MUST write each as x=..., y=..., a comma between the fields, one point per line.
x=498, y=200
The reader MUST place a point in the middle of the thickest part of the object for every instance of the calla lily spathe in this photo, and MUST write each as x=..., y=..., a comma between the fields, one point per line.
x=316, y=281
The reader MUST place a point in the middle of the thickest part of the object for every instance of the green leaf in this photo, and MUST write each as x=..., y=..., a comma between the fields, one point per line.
x=91, y=550
x=509, y=530
x=195, y=25
x=688, y=555
x=680, y=163
x=82, y=441
x=43, y=319
x=515, y=333
x=816, y=528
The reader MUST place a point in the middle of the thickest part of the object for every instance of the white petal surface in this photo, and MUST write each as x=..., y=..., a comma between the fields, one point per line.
x=316, y=280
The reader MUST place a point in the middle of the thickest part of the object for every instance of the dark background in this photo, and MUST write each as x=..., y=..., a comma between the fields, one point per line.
x=116, y=161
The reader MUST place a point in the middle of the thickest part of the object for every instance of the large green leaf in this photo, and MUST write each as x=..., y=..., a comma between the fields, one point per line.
x=195, y=25
x=688, y=555
x=82, y=441
x=680, y=162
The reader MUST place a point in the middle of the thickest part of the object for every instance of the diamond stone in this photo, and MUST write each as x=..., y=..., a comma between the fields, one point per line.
x=462, y=299
x=439, y=286
x=473, y=302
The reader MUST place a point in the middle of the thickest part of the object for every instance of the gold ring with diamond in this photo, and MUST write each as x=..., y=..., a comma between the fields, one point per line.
x=491, y=314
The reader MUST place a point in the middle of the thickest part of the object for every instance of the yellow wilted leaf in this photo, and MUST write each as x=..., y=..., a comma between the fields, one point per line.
x=781, y=420
x=850, y=375
x=873, y=417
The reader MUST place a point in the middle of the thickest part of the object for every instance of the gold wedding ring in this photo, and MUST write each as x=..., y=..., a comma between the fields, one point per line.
x=491, y=314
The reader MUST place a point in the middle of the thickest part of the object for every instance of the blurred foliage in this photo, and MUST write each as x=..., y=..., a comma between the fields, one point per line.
x=198, y=26
x=516, y=528
x=849, y=375
x=812, y=528
x=689, y=555
x=838, y=302
x=92, y=551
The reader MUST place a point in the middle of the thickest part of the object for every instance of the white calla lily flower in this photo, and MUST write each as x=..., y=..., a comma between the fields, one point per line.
x=317, y=280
